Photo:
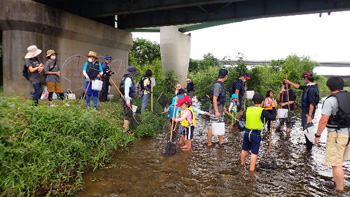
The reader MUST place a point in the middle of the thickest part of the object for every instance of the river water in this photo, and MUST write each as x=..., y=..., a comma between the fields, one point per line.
x=216, y=171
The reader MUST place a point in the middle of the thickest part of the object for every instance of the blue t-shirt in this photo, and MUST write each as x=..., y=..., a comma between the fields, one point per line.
x=99, y=66
x=238, y=85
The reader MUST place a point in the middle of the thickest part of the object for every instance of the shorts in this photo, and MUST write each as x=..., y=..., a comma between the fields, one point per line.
x=214, y=119
x=188, y=132
x=251, y=142
x=54, y=87
x=127, y=111
x=336, y=148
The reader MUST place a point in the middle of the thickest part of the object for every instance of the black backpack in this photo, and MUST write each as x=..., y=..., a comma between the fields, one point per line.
x=25, y=72
x=211, y=92
x=342, y=118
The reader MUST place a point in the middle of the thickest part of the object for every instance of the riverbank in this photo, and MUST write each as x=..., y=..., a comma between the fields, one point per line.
x=46, y=150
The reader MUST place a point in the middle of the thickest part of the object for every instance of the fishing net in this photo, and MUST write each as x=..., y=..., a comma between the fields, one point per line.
x=169, y=148
x=268, y=162
x=162, y=100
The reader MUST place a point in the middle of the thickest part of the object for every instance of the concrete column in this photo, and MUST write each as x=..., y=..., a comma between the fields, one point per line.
x=175, y=50
x=25, y=22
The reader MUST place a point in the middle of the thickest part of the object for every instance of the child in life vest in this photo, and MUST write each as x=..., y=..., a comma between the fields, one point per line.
x=233, y=110
x=188, y=121
x=268, y=105
x=255, y=117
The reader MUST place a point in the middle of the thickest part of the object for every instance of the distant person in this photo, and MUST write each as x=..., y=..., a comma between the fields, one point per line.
x=127, y=88
x=146, y=88
x=53, y=72
x=107, y=73
x=238, y=88
x=287, y=100
x=190, y=87
x=255, y=118
x=178, y=87
x=268, y=106
x=309, y=100
x=217, y=107
x=35, y=68
x=336, y=117
x=92, y=71
x=233, y=109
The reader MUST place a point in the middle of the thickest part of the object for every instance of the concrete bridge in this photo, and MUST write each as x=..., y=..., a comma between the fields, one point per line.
x=74, y=27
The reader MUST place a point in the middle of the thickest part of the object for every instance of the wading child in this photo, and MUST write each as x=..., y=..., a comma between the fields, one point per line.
x=255, y=116
x=233, y=109
x=188, y=121
x=268, y=106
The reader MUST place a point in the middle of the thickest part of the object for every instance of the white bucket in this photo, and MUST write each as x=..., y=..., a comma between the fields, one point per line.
x=250, y=94
x=218, y=128
x=310, y=132
x=282, y=113
x=110, y=97
x=96, y=85
x=134, y=108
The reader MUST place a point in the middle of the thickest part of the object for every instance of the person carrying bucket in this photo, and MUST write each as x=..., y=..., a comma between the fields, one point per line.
x=233, y=109
x=188, y=121
x=287, y=100
x=268, y=106
x=239, y=89
x=255, y=118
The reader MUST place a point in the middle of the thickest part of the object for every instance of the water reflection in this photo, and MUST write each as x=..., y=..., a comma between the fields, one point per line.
x=216, y=171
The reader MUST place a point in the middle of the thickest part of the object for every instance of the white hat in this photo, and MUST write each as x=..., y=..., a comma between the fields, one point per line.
x=33, y=51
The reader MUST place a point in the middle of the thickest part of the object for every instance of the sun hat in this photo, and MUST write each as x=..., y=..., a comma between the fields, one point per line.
x=108, y=57
x=50, y=52
x=185, y=99
x=92, y=54
x=132, y=71
x=258, y=98
x=234, y=96
x=33, y=51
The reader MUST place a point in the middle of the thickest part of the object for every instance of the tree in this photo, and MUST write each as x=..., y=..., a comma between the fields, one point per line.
x=143, y=52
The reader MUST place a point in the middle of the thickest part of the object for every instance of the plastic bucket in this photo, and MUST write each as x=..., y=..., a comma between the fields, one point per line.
x=310, y=132
x=282, y=113
x=218, y=128
x=110, y=97
x=134, y=108
x=96, y=85
x=250, y=94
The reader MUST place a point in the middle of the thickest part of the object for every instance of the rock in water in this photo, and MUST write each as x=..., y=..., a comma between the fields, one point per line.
x=169, y=149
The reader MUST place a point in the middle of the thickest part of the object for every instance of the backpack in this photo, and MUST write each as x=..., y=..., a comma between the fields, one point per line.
x=25, y=72
x=139, y=89
x=317, y=99
x=342, y=117
x=211, y=92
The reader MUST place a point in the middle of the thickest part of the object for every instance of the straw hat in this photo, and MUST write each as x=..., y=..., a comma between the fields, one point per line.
x=50, y=52
x=33, y=51
x=92, y=54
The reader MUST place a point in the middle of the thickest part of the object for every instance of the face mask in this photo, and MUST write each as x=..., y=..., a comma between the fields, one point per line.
x=304, y=81
x=53, y=57
x=89, y=59
x=243, y=80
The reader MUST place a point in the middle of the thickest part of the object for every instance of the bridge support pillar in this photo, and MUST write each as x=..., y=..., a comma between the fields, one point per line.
x=175, y=50
x=26, y=22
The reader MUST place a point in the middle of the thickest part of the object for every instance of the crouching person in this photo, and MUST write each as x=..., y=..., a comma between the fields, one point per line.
x=255, y=118
x=188, y=121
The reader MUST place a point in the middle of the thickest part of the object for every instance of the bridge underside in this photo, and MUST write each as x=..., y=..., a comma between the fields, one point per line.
x=141, y=15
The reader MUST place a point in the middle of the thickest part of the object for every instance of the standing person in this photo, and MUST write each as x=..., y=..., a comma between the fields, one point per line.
x=35, y=68
x=218, y=99
x=178, y=87
x=255, y=116
x=107, y=73
x=268, y=106
x=53, y=72
x=190, y=87
x=188, y=122
x=335, y=116
x=287, y=100
x=127, y=88
x=238, y=88
x=233, y=110
x=92, y=71
x=309, y=100
x=146, y=88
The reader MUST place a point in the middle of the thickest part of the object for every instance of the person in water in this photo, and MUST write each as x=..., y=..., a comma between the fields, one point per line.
x=233, y=110
x=255, y=117
x=268, y=106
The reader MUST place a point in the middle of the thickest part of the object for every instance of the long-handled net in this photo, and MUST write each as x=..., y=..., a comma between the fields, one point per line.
x=170, y=145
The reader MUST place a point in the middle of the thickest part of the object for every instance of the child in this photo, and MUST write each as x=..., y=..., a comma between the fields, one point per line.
x=255, y=116
x=268, y=106
x=188, y=121
x=233, y=109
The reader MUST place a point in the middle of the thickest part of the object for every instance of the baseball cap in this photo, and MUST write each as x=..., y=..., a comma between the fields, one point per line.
x=246, y=75
x=306, y=74
x=223, y=72
x=234, y=96
x=185, y=99
x=258, y=98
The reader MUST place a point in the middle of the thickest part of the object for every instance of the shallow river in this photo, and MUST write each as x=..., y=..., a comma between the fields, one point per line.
x=216, y=171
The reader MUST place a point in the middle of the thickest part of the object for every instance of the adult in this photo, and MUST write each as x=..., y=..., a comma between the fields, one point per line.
x=146, y=88
x=127, y=88
x=338, y=126
x=107, y=73
x=35, y=68
x=309, y=100
x=190, y=87
x=92, y=71
x=238, y=88
x=217, y=106
x=287, y=100
x=53, y=72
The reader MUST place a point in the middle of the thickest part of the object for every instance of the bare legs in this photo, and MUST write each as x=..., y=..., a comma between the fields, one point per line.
x=338, y=176
x=210, y=136
x=253, y=159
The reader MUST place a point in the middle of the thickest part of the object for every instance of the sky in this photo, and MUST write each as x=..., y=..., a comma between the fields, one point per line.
x=323, y=39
